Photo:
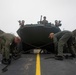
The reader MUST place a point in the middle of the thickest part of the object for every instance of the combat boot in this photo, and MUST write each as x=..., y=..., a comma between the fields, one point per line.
x=6, y=61
x=16, y=56
x=59, y=57
x=73, y=55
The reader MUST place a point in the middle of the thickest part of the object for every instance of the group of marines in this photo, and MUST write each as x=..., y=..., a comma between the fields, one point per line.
x=9, y=42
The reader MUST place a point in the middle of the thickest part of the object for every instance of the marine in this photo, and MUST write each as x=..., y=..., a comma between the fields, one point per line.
x=44, y=21
x=6, y=40
x=21, y=23
x=60, y=39
x=57, y=23
x=1, y=32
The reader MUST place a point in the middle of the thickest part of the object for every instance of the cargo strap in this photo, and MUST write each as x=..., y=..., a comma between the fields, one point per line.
x=39, y=46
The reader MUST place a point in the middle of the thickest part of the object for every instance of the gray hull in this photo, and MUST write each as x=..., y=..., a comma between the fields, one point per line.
x=36, y=36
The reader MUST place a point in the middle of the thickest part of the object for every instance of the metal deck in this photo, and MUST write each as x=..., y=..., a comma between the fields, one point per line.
x=26, y=65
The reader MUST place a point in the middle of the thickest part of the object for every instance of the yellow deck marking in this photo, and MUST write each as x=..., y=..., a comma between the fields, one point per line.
x=38, y=70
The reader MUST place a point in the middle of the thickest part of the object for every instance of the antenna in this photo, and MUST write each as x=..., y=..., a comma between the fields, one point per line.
x=41, y=18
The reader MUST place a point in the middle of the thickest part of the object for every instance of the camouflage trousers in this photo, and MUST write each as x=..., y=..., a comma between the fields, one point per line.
x=1, y=45
x=5, y=49
x=60, y=44
x=0, y=48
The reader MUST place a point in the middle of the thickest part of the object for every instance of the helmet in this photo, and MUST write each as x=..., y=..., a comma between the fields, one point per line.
x=44, y=17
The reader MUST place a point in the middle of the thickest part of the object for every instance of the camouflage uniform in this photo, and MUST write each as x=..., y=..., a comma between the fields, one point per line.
x=6, y=40
x=1, y=32
x=1, y=45
x=44, y=21
x=62, y=38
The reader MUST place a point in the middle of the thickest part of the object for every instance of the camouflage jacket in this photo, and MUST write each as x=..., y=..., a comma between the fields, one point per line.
x=66, y=35
x=7, y=37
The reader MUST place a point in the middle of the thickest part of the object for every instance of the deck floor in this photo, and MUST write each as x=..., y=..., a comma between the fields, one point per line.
x=26, y=65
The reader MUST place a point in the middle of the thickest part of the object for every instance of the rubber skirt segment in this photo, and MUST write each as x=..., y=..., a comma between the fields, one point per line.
x=35, y=36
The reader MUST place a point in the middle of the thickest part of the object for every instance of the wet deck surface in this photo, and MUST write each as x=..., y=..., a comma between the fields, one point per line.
x=55, y=67
x=26, y=65
x=23, y=66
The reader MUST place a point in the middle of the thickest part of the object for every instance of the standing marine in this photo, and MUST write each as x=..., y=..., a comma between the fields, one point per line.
x=57, y=23
x=21, y=23
x=44, y=21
